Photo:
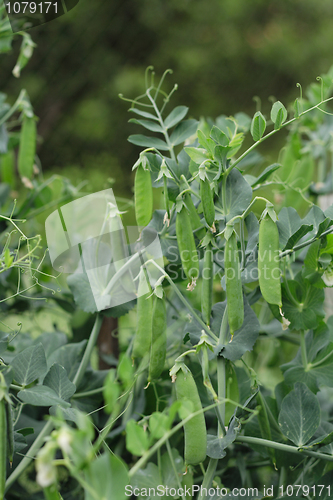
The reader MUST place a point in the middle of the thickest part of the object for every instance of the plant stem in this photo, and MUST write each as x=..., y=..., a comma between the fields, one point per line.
x=208, y=477
x=174, y=468
x=303, y=350
x=283, y=447
x=306, y=243
x=87, y=353
x=274, y=132
x=30, y=455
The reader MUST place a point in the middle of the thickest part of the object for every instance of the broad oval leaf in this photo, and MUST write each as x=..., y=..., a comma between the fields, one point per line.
x=279, y=114
x=108, y=477
x=148, y=124
x=299, y=417
x=58, y=381
x=148, y=142
x=145, y=114
x=198, y=155
x=258, y=126
x=136, y=438
x=183, y=131
x=29, y=364
x=40, y=395
x=175, y=116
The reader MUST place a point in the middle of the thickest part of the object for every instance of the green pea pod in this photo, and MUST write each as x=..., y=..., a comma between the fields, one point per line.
x=143, y=334
x=10, y=432
x=186, y=245
x=264, y=424
x=143, y=196
x=27, y=149
x=233, y=284
x=8, y=168
x=194, y=217
x=207, y=285
x=268, y=262
x=195, y=429
x=207, y=200
x=158, y=341
x=3, y=446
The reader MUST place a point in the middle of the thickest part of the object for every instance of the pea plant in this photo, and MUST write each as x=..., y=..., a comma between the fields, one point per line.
x=224, y=382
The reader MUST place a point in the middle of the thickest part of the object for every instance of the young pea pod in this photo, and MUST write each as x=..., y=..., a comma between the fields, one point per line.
x=207, y=285
x=194, y=217
x=158, y=341
x=27, y=149
x=195, y=429
x=143, y=196
x=207, y=199
x=143, y=334
x=268, y=261
x=3, y=447
x=233, y=284
x=186, y=245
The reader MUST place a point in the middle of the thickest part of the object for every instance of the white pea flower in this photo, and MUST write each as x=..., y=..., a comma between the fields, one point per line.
x=46, y=473
x=64, y=440
x=327, y=277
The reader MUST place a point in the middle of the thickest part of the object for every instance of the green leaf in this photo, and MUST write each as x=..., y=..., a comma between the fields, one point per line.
x=183, y=131
x=143, y=113
x=219, y=137
x=243, y=339
x=306, y=308
x=291, y=228
x=258, y=126
x=235, y=144
x=148, y=478
x=318, y=346
x=108, y=477
x=198, y=155
x=80, y=287
x=137, y=441
x=299, y=417
x=158, y=424
x=265, y=174
x=57, y=380
x=68, y=356
x=216, y=446
x=278, y=114
x=29, y=365
x=206, y=142
x=148, y=142
x=175, y=116
x=243, y=121
x=239, y=194
x=148, y=124
x=40, y=395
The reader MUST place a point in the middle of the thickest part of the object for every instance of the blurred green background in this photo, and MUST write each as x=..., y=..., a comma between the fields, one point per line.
x=222, y=52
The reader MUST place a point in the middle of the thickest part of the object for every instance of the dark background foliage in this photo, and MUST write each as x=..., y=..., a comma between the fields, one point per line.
x=222, y=53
